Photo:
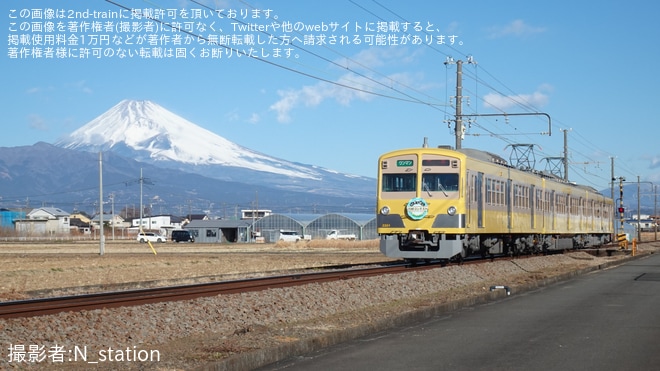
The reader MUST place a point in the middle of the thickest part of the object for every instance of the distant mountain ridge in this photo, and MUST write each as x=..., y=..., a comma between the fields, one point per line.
x=188, y=167
x=46, y=175
x=147, y=132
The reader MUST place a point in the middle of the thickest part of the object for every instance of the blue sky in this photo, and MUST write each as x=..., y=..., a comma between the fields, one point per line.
x=589, y=65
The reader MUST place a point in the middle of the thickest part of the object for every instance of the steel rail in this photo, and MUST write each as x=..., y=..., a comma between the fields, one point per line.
x=47, y=306
x=115, y=299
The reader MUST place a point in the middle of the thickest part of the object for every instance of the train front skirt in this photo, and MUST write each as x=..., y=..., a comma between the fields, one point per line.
x=444, y=249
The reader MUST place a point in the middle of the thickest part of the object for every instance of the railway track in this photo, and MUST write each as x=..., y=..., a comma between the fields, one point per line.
x=123, y=298
x=46, y=306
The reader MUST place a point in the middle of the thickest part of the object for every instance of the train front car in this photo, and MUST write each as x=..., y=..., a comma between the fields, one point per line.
x=421, y=203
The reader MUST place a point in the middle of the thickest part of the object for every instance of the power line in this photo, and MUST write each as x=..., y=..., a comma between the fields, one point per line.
x=407, y=97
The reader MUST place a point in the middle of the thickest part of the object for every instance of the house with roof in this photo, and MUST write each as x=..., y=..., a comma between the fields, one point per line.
x=190, y=217
x=80, y=226
x=44, y=220
x=81, y=222
x=164, y=224
x=8, y=217
x=110, y=220
x=81, y=216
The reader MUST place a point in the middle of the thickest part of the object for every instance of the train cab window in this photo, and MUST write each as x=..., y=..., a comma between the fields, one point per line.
x=440, y=182
x=399, y=182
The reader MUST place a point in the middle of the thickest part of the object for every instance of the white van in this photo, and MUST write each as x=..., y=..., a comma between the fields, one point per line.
x=289, y=236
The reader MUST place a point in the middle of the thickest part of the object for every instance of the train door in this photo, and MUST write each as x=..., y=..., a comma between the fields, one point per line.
x=479, y=190
x=569, y=213
x=509, y=186
x=532, y=204
x=553, y=214
x=583, y=214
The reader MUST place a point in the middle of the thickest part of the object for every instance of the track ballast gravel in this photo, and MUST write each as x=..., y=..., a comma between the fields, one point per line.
x=209, y=331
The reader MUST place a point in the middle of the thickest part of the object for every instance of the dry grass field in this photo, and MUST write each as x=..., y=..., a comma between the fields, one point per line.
x=234, y=325
x=53, y=268
x=45, y=269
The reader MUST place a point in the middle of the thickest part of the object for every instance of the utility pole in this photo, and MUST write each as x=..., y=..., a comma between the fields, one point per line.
x=112, y=199
x=102, y=240
x=566, y=155
x=621, y=209
x=141, y=209
x=639, y=215
x=613, y=179
x=655, y=212
x=459, y=128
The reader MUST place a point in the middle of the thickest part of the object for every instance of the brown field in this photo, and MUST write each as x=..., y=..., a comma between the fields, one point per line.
x=51, y=268
x=44, y=267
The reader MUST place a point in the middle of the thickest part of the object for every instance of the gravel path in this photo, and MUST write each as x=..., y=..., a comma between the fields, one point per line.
x=190, y=334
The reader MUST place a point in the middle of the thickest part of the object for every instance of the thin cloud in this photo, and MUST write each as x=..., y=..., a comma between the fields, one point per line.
x=500, y=102
x=254, y=118
x=233, y=115
x=517, y=28
x=654, y=162
x=39, y=89
x=37, y=122
x=288, y=101
x=80, y=86
x=314, y=95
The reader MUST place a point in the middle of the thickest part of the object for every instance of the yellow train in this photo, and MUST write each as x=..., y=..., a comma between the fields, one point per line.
x=439, y=203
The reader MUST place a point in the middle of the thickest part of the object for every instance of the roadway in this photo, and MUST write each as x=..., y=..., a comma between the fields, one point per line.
x=605, y=320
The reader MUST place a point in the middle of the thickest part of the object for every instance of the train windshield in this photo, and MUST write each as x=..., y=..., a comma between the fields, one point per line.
x=399, y=182
x=440, y=182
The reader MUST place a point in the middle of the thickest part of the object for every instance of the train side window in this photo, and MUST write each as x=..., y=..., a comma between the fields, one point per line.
x=495, y=192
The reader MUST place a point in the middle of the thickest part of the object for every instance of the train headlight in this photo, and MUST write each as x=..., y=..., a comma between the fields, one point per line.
x=451, y=210
x=385, y=210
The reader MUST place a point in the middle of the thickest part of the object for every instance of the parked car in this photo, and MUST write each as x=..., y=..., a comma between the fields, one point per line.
x=150, y=236
x=293, y=236
x=290, y=236
x=182, y=235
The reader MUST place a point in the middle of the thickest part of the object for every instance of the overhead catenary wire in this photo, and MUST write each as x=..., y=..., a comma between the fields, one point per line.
x=501, y=136
x=351, y=84
x=411, y=98
x=368, y=68
x=466, y=73
x=514, y=97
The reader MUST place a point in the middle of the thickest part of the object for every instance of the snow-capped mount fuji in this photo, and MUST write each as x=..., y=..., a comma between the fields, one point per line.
x=156, y=135
x=147, y=132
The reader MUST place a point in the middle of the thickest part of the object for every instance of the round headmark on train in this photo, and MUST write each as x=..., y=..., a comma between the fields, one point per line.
x=417, y=208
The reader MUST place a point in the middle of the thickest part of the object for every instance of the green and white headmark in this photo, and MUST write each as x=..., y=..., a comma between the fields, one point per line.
x=417, y=208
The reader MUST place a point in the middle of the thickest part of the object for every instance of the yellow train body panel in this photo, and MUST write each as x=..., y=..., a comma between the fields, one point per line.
x=442, y=203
